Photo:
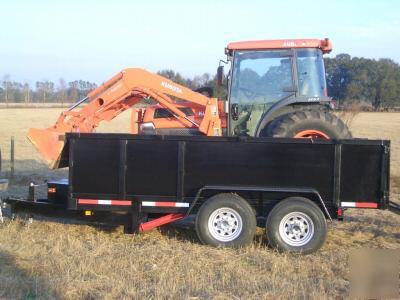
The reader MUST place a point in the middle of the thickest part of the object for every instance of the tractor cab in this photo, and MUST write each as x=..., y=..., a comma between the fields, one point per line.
x=275, y=88
x=267, y=76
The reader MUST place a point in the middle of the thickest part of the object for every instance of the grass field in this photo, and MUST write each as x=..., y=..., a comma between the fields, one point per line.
x=53, y=258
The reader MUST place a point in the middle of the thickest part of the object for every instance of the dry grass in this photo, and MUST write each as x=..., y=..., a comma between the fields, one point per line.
x=348, y=114
x=52, y=259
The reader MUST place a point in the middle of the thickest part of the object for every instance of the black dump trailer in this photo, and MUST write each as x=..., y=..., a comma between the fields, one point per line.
x=292, y=187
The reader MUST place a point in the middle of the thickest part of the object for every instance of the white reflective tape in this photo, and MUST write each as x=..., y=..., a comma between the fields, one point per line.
x=165, y=204
x=182, y=204
x=348, y=204
x=104, y=202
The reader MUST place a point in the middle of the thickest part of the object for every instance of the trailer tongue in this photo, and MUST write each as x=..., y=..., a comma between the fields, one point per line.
x=293, y=185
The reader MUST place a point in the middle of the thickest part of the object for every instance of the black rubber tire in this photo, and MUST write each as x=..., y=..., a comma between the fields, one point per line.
x=291, y=124
x=296, y=204
x=235, y=202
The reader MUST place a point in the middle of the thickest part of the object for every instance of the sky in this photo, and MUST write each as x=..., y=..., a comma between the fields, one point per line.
x=93, y=40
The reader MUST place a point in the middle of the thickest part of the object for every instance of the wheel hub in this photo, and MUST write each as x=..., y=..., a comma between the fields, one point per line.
x=312, y=134
x=296, y=229
x=225, y=224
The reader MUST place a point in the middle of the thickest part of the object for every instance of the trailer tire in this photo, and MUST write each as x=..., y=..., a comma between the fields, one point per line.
x=296, y=224
x=309, y=123
x=226, y=220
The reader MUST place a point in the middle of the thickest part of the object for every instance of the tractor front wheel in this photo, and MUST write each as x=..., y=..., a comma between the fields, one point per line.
x=316, y=124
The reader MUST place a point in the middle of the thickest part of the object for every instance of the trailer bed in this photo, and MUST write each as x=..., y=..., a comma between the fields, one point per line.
x=156, y=180
x=175, y=169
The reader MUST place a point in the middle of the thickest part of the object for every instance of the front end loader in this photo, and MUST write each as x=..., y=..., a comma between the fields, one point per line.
x=113, y=97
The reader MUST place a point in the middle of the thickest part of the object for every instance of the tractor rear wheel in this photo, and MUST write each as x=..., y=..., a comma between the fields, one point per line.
x=309, y=124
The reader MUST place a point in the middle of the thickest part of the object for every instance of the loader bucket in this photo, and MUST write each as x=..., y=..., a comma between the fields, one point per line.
x=49, y=143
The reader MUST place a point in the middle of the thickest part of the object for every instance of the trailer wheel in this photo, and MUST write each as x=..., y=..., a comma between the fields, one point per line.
x=296, y=225
x=226, y=220
x=309, y=124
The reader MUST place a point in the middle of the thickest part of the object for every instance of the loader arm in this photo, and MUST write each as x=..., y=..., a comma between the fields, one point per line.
x=118, y=94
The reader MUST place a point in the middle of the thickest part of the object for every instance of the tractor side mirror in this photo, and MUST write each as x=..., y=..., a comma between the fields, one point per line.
x=220, y=75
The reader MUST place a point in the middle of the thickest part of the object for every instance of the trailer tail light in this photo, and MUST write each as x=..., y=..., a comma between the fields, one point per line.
x=340, y=212
x=51, y=190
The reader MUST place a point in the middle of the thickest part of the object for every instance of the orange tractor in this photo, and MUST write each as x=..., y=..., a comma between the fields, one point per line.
x=276, y=88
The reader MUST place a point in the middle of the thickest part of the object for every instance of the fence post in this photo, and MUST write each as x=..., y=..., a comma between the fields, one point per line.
x=12, y=156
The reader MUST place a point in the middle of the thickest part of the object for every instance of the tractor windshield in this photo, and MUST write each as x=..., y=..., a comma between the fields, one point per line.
x=311, y=73
x=259, y=80
x=262, y=76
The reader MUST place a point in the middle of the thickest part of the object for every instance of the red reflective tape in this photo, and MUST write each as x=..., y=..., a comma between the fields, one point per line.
x=366, y=205
x=87, y=201
x=121, y=202
x=165, y=204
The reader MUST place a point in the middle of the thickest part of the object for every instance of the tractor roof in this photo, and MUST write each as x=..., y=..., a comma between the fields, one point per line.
x=325, y=45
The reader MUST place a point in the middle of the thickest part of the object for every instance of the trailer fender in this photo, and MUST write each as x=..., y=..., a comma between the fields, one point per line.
x=310, y=193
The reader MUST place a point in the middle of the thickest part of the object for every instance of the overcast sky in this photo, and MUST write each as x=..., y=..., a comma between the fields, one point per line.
x=93, y=40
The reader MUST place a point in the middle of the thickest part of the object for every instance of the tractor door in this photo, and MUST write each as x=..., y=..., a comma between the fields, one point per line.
x=259, y=80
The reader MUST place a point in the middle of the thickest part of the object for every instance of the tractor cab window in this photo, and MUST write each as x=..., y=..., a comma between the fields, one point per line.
x=311, y=73
x=259, y=80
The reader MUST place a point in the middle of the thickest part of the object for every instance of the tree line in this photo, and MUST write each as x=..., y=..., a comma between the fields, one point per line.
x=371, y=82
x=44, y=91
